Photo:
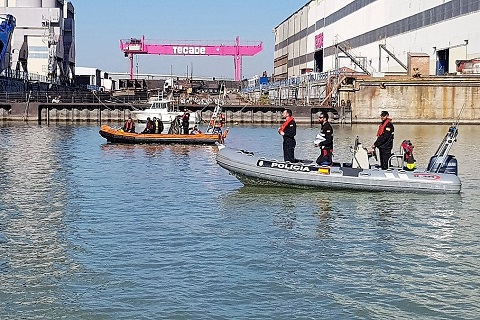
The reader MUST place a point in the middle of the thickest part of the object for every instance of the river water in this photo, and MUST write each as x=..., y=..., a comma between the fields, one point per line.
x=90, y=230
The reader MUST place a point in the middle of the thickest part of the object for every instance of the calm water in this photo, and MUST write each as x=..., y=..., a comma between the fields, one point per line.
x=90, y=230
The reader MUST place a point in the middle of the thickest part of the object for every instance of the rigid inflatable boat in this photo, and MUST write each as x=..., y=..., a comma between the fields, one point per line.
x=119, y=136
x=439, y=177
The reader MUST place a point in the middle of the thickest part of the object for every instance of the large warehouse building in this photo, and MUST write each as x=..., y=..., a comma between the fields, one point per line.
x=377, y=36
x=43, y=43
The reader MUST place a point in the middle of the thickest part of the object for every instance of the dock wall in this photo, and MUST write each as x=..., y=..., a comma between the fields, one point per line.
x=360, y=101
x=414, y=101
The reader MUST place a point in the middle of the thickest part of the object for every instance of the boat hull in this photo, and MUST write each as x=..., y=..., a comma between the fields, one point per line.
x=118, y=136
x=251, y=169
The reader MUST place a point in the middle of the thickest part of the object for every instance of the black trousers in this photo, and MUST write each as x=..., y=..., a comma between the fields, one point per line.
x=289, y=149
x=385, y=155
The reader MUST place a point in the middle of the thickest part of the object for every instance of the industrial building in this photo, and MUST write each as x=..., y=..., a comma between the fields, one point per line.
x=377, y=36
x=43, y=43
x=419, y=59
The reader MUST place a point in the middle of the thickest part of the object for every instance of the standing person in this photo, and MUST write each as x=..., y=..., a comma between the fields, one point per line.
x=185, y=121
x=325, y=142
x=384, y=141
x=129, y=125
x=288, y=131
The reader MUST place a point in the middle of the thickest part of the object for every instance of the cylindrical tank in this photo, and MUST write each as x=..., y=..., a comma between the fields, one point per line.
x=28, y=3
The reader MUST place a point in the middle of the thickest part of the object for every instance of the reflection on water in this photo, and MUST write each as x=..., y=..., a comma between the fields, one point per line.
x=33, y=198
x=325, y=218
x=90, y=229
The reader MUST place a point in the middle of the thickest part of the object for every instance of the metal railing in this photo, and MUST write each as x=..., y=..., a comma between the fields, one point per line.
x=32, y=77
x=294, y=81
x=68, y=97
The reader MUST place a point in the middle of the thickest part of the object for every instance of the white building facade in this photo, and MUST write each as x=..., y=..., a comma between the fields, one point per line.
x=43, y=42
x=376, y=36
x=94, y=79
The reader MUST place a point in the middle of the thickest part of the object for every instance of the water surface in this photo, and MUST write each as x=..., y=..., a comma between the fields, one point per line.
x=90, y=230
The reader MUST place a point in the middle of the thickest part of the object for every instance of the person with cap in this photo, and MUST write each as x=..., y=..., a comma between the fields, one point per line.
x=384, y=141
x=324, y=141
x=288, y=131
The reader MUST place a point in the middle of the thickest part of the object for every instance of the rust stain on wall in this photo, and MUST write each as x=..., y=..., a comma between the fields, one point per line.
x=416, y=100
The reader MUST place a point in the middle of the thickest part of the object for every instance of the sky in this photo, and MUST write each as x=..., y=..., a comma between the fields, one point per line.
x=100, y=24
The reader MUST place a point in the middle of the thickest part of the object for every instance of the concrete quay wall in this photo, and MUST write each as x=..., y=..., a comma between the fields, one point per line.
x=409, y=100
x=414, y=100
x=111, y=112
x=64, y=112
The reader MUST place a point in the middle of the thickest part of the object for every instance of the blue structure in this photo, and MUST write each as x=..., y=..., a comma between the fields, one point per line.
x=263, y=80
x=6, y=30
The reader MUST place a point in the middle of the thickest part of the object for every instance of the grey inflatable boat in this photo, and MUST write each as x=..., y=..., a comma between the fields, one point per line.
x=439, y=177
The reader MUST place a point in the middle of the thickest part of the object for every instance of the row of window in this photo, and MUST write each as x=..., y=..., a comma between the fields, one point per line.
x=446, y=11
x=331, y=19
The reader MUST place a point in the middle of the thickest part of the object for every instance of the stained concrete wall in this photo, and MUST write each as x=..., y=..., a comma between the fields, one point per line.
x=415, y=101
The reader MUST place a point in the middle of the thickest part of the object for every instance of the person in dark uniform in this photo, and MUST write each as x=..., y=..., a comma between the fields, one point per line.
x=185, y=121
x=384, y=141
x=325, y=141
x=288, y=131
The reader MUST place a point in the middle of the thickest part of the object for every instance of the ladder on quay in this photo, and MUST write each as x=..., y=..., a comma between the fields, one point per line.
x=217, y=110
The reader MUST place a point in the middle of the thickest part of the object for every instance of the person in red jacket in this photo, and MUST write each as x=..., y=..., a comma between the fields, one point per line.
x=288, y=131
x=148, y=126
x=129, y=125
x=384, y=141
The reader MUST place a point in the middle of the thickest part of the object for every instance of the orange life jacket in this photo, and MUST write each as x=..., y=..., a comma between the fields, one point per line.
x=286, y=124
x=382, y=127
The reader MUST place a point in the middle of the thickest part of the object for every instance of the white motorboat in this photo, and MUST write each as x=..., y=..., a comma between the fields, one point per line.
x=165, y=110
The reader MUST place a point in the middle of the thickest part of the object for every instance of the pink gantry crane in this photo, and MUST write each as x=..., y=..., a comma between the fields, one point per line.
x=140, y=46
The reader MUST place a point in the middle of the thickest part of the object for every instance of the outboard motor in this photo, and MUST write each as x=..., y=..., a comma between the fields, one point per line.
x=441, y=161
x=448, y=166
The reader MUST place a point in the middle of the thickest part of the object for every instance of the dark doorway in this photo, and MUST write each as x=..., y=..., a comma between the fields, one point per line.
x=318, y=57
x=442, y=62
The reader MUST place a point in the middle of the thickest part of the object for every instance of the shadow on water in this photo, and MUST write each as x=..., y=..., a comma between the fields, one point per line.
x=382, y=198
x=155, y=150
x=326, y=205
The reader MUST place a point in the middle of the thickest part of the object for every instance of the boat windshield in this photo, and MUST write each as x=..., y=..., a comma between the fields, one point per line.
x=161, y=105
